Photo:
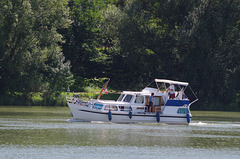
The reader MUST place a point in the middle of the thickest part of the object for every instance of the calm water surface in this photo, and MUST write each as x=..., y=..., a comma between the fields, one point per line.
x=41, y=132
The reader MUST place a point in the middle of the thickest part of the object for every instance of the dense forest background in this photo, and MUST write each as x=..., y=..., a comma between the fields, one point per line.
x=47, y=46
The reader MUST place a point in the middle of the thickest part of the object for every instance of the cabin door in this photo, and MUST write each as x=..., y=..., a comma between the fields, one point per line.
x=157, y=102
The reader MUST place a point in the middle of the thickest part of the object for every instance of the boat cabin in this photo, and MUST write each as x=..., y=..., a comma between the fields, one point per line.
x=139, y=101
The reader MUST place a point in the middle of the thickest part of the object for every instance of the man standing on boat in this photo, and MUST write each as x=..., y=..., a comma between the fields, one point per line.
x=150, y=102
x=171, y=90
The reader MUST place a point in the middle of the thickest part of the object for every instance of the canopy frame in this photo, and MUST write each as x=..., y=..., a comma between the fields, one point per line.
x=171, y=82
x=185, y=84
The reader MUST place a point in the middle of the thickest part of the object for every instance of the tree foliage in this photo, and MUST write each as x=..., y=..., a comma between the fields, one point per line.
x=31, y=57
x=209, y=42
x=143, y=38
x=195, y=41
x=130, y=41
x=82, y=40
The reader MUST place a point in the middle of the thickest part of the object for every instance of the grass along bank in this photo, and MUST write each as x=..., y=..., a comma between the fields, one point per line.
x=59, y=99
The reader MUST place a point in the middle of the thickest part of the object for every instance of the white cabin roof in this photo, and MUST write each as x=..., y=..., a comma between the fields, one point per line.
x=171, y=82
x=135, y=93
x=149, y=90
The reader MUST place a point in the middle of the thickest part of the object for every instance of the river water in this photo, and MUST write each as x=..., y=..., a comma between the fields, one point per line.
x=42, y=133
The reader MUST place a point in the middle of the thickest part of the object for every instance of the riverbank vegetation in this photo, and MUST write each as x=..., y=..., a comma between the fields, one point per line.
x=48, y=46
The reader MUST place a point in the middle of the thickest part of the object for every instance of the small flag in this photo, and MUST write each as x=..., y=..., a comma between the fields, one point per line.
x=104, y=86
x=106, y=90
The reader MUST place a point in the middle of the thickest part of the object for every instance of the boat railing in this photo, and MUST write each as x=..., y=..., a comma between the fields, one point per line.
x=69, y=99
x=72, y=99
x=78, y=101
x=193, y=102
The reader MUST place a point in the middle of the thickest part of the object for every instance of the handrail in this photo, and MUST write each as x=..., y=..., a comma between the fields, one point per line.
x=192, y=102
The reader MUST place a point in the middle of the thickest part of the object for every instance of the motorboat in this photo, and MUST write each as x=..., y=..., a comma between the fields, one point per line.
x=133, y=106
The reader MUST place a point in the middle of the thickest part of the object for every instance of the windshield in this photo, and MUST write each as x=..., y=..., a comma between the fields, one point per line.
x=120, y=97
x=128, y=98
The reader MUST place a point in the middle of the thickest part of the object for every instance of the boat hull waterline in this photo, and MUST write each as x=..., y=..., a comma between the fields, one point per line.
x=85, y=114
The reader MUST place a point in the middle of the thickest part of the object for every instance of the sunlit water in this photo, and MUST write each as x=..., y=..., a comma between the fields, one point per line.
x=39, y=133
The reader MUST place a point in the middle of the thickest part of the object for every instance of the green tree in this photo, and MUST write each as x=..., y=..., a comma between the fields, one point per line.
x=209, y=44
x=82, y=45
x=142, y=39
x=195, y=41
x=31, y=58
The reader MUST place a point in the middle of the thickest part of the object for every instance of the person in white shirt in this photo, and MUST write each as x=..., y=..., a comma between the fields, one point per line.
x=171, y=90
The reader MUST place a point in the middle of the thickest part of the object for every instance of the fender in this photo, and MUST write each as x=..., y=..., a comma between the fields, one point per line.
x=130, y=114
x=188, y=118
x=158, y=117
x=109, y=115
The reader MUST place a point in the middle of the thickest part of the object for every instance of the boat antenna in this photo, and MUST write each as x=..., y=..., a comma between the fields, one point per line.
x=104, y=86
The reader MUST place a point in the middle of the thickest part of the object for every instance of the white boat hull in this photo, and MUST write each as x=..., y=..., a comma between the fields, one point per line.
x=85, y=113
x=151, y=105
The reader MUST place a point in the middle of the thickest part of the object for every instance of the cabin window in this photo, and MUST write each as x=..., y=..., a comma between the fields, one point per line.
x=120, y=97
x=128, y=98
x=121, y=108
x=139, y=99
x=112, y=107
x=182, y=111
x=124, y=108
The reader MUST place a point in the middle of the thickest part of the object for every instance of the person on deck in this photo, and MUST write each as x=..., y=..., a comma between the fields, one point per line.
x=150, y=102
x=171, y=90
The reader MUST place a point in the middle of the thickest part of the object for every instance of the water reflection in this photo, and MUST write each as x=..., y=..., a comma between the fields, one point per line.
x=44, y=135
x=60, y=132
x=116, y=152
